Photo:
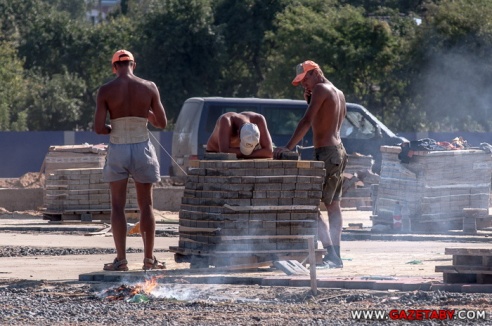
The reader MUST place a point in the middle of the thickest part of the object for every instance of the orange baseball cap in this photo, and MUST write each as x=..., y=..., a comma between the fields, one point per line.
x=121, y=55
x=302, y=69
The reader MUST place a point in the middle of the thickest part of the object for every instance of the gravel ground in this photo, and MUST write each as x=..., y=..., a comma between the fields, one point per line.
x=77, y=303
x=49, y=303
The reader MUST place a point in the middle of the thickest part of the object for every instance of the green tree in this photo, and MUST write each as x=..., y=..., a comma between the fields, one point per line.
x=17, y=16
x=178, y=49
x=54, y=101
x=359, y=54
x=452, y=54
x=243, y=24
x=13, y=90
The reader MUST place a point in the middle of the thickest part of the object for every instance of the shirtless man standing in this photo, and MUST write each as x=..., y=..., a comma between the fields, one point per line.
x=130, y=102
x=244, y=134
x=325, y=114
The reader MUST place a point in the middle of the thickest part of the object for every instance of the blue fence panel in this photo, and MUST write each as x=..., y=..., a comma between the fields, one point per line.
x=24, y=152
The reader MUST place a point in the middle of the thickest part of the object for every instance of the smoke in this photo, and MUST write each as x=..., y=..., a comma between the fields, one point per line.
x=456, y=91
x=177, y=292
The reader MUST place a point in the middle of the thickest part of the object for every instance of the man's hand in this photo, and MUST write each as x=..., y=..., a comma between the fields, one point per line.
x=277, y=152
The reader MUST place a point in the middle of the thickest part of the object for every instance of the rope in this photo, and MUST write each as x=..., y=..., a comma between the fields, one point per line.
x=168, y=154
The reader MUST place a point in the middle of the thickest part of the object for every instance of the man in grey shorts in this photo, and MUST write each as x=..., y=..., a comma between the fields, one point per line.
x=325, y=114
x=131, y=102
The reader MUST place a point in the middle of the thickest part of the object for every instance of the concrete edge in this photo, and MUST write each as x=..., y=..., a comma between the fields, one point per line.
x=356, y=283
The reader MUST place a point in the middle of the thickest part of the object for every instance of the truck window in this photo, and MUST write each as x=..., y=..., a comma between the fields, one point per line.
x=357, y=126
x=215, y=111
x=283, y=120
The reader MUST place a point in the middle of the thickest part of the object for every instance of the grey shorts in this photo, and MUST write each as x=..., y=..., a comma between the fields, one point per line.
x=138, y=160
x=335, y=159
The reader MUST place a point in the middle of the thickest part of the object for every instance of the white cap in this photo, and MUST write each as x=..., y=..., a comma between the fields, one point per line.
x=250, y=137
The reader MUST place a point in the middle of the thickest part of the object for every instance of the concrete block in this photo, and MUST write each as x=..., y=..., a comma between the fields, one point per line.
x=477, y=288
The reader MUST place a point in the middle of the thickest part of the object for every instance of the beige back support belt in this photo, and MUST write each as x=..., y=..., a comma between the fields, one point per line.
x=128, y=130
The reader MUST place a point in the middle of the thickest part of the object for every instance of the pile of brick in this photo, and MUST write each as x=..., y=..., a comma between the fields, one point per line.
x=358, y=181
x=74, y=156
x=81, y=190
x=249, y=206
x=433, y=189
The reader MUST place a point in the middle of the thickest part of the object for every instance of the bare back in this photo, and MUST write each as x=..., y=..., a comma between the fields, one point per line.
x=329, y=116
x=128, y=96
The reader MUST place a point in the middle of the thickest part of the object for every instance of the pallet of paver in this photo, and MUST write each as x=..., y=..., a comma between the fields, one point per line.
x=255, y=209
x=72, y=194
x=74, y=156
x=470, y=265
x=434, y=187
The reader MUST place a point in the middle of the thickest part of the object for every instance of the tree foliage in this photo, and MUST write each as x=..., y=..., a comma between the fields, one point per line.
x=417, y=64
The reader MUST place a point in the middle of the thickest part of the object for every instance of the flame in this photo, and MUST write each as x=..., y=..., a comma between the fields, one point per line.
x=124, y=292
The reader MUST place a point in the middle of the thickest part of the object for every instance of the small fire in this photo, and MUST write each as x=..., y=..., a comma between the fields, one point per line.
x=126, y=292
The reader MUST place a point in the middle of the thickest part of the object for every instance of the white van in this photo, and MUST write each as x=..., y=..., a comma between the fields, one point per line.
x=361, y=131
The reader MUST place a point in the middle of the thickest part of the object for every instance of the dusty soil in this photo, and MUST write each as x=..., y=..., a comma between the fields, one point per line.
x=28, y=180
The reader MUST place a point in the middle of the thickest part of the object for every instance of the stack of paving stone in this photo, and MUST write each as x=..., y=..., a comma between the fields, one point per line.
x=74, y=156
x=433, y=188
x=77, y=190
x=246, y=206
x=358, y=179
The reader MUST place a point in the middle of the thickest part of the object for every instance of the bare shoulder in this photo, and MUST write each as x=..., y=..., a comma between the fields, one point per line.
x=148, y=83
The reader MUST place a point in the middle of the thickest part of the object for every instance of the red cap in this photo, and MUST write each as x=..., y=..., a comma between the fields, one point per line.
x=121, y=55
x=302, y=69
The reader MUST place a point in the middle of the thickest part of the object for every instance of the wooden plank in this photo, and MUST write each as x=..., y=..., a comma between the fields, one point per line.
x=194, y=229
x=464, y=269
x=291, y=267
x=468, y=251
x=272, y=208
x=185, y=251
x=267, y=237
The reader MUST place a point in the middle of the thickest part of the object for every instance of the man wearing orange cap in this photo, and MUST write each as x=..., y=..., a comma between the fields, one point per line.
x=325, y=114
x=131, y=102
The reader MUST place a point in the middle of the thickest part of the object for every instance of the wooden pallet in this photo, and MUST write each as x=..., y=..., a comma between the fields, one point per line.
x=469, y=266
x=83, y=215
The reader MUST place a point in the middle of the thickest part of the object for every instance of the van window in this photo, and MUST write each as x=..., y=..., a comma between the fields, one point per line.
x=357, y=126
x=215, y=111
x=281, y=120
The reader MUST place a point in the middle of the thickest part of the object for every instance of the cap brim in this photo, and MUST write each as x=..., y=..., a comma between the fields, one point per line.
x=246, y=150
x=296, y=81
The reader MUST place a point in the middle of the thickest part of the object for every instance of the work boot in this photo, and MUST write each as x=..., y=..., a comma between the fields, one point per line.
x=332, y=261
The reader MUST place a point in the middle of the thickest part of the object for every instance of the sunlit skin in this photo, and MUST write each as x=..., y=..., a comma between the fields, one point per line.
x=225, y=136
x=324, y=115
x=130, y=96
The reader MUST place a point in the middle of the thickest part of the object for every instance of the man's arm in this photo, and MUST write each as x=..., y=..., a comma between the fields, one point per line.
x=99, y=125
x=224, y=137
x=157, y=114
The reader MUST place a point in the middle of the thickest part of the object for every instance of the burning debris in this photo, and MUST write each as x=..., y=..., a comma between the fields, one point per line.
x=140, y=292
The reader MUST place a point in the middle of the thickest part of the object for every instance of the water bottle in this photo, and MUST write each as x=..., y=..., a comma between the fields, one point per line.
x=397, y=217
